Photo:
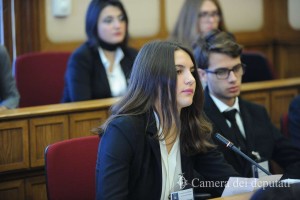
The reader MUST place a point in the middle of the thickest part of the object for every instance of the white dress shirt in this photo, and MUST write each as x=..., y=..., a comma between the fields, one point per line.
x=116, y=78
x=171, y=165
x=223, y=107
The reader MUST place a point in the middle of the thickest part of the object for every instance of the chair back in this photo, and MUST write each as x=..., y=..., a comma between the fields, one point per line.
x=40, y=77
x=284, y=124
x=71, y=168
x=259, y=68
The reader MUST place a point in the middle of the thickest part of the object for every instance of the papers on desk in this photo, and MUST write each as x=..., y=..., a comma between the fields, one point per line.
x=238, y=185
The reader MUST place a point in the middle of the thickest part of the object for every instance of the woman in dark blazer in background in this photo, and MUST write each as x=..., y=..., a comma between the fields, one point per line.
x=9, y=95
x=157, y=134
x=100, y=68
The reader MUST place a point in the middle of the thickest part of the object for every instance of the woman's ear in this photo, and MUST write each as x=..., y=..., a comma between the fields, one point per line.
x=202, y=74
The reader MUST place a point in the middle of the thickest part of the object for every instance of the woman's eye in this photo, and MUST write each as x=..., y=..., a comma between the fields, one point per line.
x=122, y=18
x=179, y=71
x=108, y=20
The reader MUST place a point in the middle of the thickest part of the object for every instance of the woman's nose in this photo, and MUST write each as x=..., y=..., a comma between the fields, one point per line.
x=190, y=79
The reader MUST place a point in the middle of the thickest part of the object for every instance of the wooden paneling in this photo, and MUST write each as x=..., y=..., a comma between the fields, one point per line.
x=288, y=60
x=45, y=131
x=280, y=103
x=14, y=145
x=262, y=98
x=82, y=124
x=12, y=190
x=51, y=123
x=36, y=188
x=275, y=95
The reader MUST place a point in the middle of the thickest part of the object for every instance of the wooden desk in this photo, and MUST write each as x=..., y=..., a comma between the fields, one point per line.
x=244, y=196
x=26, y=132
x=275, y=95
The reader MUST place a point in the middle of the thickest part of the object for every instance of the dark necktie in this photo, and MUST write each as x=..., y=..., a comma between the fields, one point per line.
x=240, y=140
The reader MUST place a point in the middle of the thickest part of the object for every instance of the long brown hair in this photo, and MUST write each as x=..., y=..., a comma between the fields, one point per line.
x=154, y=77
x=185, y=30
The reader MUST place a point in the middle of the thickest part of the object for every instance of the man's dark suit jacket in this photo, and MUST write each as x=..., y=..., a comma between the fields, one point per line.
x=85, y=77
x=261, y=136
x=294, y=121
x=129, y=162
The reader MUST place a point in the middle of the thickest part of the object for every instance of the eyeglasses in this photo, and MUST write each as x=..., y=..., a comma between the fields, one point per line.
x=223, y=73
x=207, y=15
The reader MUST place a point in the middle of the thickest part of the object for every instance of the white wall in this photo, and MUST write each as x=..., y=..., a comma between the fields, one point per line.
x=240, y=15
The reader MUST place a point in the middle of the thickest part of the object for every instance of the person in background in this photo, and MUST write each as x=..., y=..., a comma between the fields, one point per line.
x=294, y=121
x=244, y=123
x=100, y=68
x=197, y=18
x=283, y=192
x=157, y=133
x=9, y=95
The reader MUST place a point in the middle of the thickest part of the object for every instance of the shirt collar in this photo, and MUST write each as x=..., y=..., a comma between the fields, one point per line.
x=223, y=107
x=118, y=57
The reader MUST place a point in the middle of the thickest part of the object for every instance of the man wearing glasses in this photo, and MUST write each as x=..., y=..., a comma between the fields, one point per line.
x=245, y=124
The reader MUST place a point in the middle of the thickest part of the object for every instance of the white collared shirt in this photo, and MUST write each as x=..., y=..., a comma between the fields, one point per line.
x=171, y=165
x=116, y=78
x=223, y=107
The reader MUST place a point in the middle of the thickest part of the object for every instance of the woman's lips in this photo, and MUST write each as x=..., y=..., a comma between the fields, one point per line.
x=188, y=91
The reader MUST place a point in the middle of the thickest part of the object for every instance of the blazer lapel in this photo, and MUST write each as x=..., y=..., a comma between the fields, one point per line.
x=248, y=126
x=220, y=126
x=219, y=121
x=126, y=65
x=151, y=131
x=99, y=72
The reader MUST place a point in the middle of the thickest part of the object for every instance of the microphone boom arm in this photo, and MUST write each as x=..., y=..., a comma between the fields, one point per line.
x=231, y=146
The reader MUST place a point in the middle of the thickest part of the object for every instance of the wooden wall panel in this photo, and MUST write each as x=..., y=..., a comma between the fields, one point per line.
x=81, y=124
x=280, y=103
x=262, y=98
x=45, y=131
x=12, y=190
x=36, y=188
x=14, y=152
x=288, y=60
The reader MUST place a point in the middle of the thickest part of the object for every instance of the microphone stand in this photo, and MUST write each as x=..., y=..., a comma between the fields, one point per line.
x=231, y=146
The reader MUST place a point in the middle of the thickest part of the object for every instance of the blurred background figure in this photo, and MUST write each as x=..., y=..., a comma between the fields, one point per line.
x=197, y=18
x=9, y=95
x=100, y=68
x=294, y=121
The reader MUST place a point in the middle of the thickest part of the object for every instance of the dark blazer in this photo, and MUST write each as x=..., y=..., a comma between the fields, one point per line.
x=85, y=77
x=129, y=162
x=261, y=136
x=294, y=121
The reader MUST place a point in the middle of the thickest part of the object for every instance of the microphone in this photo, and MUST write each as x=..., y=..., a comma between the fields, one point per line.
x=231, y=146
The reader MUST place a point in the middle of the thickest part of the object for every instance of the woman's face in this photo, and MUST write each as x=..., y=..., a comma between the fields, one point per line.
x=208, y=17
x=186, y=84
x=111, y=25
